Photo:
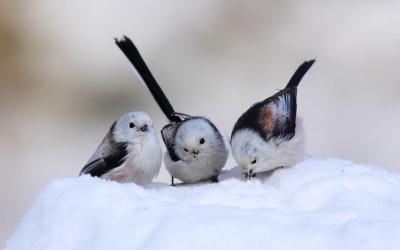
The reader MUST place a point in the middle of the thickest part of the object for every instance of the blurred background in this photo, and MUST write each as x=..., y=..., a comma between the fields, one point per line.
x=63, y=81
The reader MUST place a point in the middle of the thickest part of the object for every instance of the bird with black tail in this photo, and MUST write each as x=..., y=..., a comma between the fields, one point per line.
x=196, y=149
x=269, y=135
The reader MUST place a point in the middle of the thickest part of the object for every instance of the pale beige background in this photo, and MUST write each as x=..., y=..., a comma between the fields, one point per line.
x=63, y=81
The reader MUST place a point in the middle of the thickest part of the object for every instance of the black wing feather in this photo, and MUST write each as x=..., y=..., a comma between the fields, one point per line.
x=168, y=133
x=132, y=53
x=114, y=155
x=284, y=122
x=285, y=125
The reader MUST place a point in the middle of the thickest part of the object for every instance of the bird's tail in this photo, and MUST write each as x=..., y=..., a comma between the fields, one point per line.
x=133, y=55
x=298, y=75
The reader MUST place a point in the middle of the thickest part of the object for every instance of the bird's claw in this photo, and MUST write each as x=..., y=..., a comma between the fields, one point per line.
x=249, y=174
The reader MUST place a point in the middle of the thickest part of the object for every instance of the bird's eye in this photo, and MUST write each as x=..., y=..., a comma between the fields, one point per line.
x=202, y=141
x=131, y=125
x=254, y=161
x=185, y=149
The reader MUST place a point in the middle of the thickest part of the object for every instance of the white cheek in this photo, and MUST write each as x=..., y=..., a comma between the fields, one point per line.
x=183, y=155
x=242, y=144
x=119, y=135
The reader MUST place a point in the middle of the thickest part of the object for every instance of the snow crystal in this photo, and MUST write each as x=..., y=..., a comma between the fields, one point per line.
x=317, y=204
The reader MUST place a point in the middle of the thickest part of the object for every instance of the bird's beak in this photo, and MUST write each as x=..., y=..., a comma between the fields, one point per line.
x=145, y=128
x=195, y=153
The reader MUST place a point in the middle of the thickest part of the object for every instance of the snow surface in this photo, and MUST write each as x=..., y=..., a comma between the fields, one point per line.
x=317, y=204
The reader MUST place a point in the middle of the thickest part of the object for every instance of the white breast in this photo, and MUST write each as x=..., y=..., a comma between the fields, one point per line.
x=270, y=155
x=142, y=165
x=197, y=170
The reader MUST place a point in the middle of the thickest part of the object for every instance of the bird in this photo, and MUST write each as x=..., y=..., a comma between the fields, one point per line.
x=269, y=135
x=130, y=151
x=196, y=150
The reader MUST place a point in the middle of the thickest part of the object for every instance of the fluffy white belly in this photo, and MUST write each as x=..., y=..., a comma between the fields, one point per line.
x=140, y=167
x=194, y=171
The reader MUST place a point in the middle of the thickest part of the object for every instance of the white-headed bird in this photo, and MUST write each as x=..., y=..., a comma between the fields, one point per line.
x=196, y=149
x=269, y=135
x=130, y=152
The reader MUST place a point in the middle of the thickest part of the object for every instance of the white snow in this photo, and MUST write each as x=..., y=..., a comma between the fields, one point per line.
x=317, y=204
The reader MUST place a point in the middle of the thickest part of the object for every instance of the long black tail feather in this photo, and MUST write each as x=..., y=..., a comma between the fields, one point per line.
x=299, y=74
x=132, y=53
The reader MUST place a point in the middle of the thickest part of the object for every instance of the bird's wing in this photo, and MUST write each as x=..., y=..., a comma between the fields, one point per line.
x=168, y=134
x=109, y=155
x=273, y=118
x=284, y=107
x=277, y=117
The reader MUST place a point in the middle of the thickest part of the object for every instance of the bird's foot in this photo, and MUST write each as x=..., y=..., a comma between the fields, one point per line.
x=172, y=182
x=249, y=174
x=214, y=179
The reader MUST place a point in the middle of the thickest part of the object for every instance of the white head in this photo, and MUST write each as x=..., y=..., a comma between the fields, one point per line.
x=132, y=126
x=196, y=138
x=247, y=149
x=253, y=153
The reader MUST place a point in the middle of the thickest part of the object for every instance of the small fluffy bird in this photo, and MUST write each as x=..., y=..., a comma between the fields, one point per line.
x=269, y=135
x=130, y=152
x=196, y=149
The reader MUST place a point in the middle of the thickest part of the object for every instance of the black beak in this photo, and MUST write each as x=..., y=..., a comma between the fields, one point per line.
x=145, y=128
x=195, y=153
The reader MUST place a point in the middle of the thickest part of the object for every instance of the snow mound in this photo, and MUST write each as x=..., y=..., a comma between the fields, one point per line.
x=317, y=204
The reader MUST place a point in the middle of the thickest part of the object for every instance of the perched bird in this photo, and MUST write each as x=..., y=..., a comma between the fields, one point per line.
x=196, y=149
x=269, y=135
x=130, y=152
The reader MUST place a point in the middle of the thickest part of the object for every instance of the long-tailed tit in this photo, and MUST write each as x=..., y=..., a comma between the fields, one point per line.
x=268, y=135
x=196, y=149
x=130, y=152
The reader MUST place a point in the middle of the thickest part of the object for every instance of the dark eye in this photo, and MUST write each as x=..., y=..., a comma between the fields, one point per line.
x=254, y=161
x=185, y=149
x=202, y=141
x=131, y=125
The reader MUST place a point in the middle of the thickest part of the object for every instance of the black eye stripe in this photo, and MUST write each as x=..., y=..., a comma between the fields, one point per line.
x=254, y=161
x=185, y=149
